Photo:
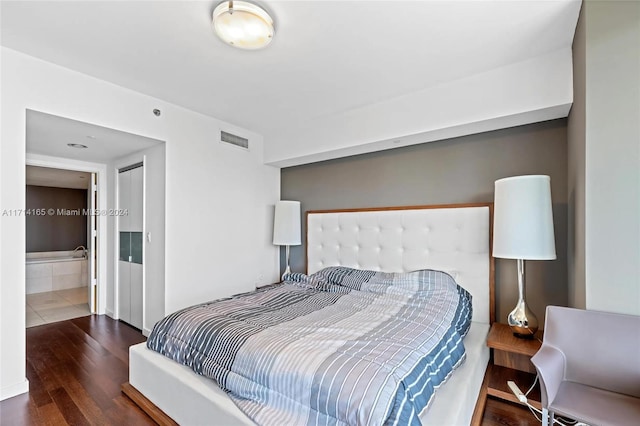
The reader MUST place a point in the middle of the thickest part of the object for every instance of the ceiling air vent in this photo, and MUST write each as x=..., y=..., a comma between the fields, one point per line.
x=234, y=139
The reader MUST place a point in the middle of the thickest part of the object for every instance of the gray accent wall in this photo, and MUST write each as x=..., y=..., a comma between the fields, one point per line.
x=459, y=170
x=57, y=222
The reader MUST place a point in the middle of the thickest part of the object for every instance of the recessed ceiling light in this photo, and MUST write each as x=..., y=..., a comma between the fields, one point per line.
x=243, y=25
x=76, y=145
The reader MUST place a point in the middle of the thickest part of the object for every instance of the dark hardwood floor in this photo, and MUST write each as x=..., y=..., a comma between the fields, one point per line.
x=75, y=369
x=502, y=413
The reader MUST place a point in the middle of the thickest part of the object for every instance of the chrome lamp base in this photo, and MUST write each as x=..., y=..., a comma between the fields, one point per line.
x=285, y=273
x=288, y=268
x=522, y=320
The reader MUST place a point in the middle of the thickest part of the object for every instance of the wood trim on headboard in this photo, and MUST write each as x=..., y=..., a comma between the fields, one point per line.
x=492, y=285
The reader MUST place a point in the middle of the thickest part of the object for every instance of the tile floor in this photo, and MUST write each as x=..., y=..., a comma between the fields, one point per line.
x=53, y=306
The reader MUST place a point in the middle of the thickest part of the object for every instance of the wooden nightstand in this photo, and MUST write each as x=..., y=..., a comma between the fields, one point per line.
x=512, y=361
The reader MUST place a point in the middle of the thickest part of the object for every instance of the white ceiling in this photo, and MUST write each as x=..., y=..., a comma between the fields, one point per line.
x=44, y=176
x=327, y=58
x=49, y=135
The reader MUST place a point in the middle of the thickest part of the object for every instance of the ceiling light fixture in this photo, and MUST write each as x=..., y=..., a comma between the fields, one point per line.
x=243, y=25
x=76, y=145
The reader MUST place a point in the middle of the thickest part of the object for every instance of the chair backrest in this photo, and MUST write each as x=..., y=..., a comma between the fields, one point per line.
x=601, y=349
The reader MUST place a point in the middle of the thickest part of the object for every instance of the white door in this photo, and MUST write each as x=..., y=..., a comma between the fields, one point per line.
x=92, y=242
x=130, y=231
x=124, y=291
x=136, y=213
x=136, y=295
x=124, y=244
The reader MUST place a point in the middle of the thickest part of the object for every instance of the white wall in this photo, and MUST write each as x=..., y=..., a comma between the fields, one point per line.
x=219, y=199
x=576, y=131
x=612, y=211
x=526, y=92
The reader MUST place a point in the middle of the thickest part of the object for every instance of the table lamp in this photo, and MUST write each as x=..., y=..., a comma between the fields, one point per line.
x=286, y=227
x=523, y=230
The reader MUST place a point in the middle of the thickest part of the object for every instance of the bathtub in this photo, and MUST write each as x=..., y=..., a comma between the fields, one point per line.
x=46, y=259
x=55, y=270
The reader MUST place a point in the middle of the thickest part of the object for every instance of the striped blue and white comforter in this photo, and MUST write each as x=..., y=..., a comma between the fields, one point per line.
x=341, y=346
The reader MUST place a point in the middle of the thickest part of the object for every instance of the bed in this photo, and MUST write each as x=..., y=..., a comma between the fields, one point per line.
x=455, y=239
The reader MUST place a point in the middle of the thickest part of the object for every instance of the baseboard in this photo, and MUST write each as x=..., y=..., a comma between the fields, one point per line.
x=110, y=314
x=13, y=390
x=146, y=332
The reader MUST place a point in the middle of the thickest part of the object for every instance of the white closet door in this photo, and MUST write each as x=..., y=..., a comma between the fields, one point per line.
x=136, y=295
x=124, y=291
x=136, y=197
x=124, y=201
x=130, y=268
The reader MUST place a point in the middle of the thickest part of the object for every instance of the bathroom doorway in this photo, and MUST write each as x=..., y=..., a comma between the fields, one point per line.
x=60, y=240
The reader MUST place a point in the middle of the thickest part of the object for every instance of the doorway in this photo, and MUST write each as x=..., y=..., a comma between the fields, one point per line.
x=62, y=143
x=61, y=237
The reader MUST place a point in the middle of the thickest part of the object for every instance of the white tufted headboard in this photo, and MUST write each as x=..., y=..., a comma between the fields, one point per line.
x=451, y=238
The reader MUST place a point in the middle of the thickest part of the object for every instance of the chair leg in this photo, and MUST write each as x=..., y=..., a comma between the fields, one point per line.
x=545, y=418
x=551, y=418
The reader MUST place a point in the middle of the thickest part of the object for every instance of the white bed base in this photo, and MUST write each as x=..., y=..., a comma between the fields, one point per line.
x=393, y=240
x=190, y=399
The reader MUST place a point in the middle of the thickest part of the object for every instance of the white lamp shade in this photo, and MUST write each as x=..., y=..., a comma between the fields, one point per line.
x=523, y=219
x=286, y=224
